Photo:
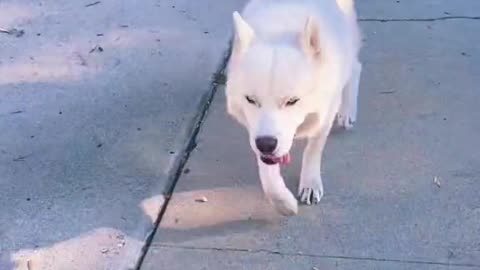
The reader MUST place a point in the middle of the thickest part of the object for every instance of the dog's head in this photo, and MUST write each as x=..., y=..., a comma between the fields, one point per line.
x=270, y=86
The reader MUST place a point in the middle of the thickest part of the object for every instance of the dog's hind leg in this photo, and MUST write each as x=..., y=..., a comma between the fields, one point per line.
x=275, y=190
x=347, y=113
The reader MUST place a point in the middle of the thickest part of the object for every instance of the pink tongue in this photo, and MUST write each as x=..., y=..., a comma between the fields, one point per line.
x=285, y=159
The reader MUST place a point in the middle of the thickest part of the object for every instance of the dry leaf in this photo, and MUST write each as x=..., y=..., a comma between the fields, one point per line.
x=436, y=180
x=203, y=199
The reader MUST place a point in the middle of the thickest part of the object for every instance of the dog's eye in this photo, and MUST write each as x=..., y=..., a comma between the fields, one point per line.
x=250, y=100
x=292, y=101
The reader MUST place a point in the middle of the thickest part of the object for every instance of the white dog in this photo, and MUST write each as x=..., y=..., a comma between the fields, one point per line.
x=293, y=71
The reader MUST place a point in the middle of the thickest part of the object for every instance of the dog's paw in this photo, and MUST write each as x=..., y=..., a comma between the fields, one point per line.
x=310, y=192
x=310, y=196
x=286, y=204
x=345, y=121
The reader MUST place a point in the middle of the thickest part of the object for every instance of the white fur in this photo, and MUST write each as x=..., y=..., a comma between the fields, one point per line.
x=283, y=49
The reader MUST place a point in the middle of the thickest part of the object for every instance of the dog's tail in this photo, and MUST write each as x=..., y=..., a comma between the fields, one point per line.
x=347, y=7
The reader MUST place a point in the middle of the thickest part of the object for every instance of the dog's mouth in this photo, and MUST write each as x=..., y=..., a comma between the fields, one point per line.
x=272, y=160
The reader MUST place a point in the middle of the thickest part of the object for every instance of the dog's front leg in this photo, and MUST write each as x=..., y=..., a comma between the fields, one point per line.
x=275, y=190
x=310, y=188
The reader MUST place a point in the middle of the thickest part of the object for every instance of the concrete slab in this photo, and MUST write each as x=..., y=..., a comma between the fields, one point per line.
x=382, y=208
x=258, y=260
x=96, y=101
x=417, y=10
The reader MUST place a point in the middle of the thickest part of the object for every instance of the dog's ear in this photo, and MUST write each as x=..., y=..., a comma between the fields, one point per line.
x=235, y=111
x=244, y=34
x=310, y=38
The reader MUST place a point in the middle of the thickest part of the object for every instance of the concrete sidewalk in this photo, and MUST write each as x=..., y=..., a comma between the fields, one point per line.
x=402, y=189
x=97, y=100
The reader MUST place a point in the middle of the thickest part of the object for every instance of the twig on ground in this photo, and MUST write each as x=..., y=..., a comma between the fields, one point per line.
x=93, y=4
x=13, y=32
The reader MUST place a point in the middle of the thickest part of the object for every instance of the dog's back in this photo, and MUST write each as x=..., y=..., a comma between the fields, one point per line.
x=284, y=19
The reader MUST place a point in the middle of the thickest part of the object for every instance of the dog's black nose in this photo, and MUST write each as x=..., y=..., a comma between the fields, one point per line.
x=266, y=144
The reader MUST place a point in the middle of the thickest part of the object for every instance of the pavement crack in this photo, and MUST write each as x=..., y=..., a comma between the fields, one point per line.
x=302, y=254
x=433, y=19
x=191, y=144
